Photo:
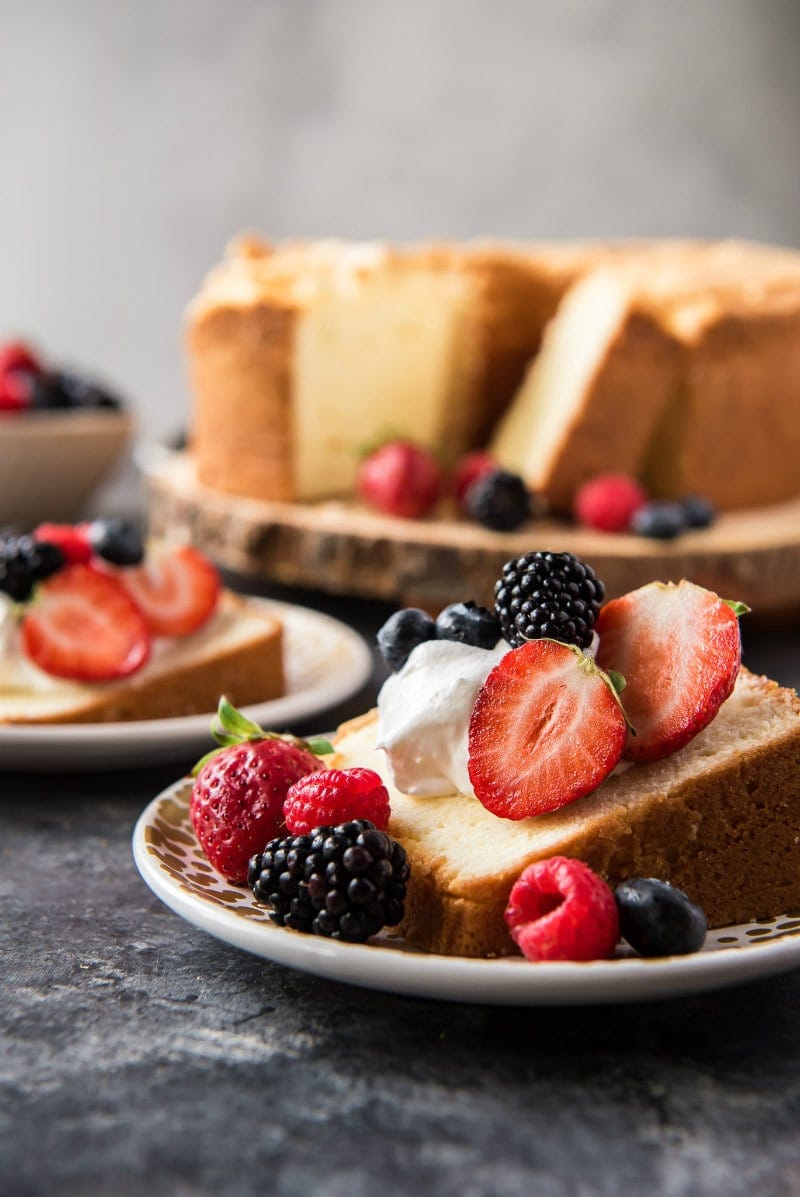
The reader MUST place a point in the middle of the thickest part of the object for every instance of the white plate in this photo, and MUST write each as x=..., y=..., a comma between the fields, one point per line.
x=326, y=662
x=172, y=863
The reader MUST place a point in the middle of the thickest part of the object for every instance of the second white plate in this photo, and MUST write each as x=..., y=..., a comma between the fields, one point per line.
x=172, y=863
x=326, y=662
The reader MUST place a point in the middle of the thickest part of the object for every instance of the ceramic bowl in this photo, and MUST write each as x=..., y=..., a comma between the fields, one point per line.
x=50, y=462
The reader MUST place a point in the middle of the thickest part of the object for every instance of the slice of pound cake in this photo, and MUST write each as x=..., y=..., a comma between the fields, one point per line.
x=687, y=769
x=92, y=631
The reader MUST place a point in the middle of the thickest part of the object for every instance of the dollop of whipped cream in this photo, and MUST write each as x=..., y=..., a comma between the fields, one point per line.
x=423, y=715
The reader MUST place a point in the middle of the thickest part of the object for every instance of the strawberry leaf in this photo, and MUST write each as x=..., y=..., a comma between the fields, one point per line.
x=738, y=608
x=319, y=746
x=617, y=680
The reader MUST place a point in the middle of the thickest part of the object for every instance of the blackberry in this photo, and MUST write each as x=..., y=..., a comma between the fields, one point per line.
x=659, y=920
x=469, y=624
x=24, y=562
x=74, y=390
x=498, y=500
x=343, y=882
x=550, y=595
x=401, y=634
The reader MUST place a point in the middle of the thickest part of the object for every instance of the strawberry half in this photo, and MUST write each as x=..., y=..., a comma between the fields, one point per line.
x=176, y=590
x=83, y=625
x=680, y=650
x=547, y=727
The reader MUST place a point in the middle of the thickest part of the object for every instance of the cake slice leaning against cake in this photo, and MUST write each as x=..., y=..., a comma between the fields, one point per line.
x=720, y=819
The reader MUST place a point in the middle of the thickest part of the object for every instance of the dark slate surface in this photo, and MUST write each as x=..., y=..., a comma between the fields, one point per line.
x=141, y=1057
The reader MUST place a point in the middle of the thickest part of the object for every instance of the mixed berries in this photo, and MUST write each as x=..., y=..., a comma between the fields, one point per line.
x=310, y=842
x=89, y=604
x=405, y=479
x=559, y=909
x=27, y=384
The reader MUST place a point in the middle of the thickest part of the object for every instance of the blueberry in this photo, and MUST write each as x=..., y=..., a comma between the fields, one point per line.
x=659, y=920
x=660, y=519
x=469, y=624
x=402, y=632
x=117, y=541
x=498, y=500
x=699, y=511
x=75, y=390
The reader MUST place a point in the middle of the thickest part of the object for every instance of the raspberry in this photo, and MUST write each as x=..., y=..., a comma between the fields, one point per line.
x=71, y=539
x=609, y=502
x=468, y=470
x=336, y=796
x=15, y=391
x=15, y=355
x=400, y=478
x=559, y=909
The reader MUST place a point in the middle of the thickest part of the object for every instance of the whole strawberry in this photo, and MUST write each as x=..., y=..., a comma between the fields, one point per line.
x=400, y=478
x=239, y=790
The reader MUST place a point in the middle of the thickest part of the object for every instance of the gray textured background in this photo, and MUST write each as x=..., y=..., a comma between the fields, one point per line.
x=136, y=138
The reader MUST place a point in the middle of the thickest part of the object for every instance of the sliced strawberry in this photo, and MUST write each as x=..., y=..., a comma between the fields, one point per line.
x=679, y=649
x=83, y=625
x=176, y=590
x=547, y=728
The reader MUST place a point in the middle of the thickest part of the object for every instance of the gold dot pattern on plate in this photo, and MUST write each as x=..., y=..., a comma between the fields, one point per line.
x=171, y=839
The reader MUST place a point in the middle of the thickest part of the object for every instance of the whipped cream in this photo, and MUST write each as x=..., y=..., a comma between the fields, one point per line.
x=423, y=715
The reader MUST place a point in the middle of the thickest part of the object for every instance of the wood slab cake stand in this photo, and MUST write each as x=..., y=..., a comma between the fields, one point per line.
x=341, y=547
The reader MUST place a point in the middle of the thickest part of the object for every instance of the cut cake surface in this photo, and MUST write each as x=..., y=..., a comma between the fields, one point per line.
x=720, y=819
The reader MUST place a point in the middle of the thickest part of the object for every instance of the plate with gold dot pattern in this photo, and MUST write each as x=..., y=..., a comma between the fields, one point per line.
x=173, y=865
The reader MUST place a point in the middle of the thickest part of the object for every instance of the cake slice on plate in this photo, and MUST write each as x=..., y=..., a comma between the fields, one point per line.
x=496, y=759
x=90, y=632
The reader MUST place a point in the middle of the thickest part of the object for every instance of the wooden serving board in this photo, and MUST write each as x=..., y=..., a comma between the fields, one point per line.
x=343, y=548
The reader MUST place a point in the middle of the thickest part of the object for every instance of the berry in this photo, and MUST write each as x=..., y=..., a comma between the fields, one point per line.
x=15, y=391
x=16, y=356
x=609, y=502
x=498, y=500
x=679, y=649
x=698, y=511
x=177, y=590
x=23, y=563
x=400, y=478
x=344, y=881
x=72, y=539
x=239, y=789
x=85, y=626
x=559, y=909
x=548, y=594
x=546, y=728
x=469, y=624
x=468, y=470
x=74, y=390
x=335, y=796
x=659, y=519
x=117, y=541
x=401, y=633
x=659, y=920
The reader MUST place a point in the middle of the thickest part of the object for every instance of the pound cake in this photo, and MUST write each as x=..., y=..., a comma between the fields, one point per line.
x=682, y=372
x=719, y=819
x=623, y=735
x=90, y=631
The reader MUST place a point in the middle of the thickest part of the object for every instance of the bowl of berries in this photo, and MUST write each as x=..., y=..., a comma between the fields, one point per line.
x=60, y=434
